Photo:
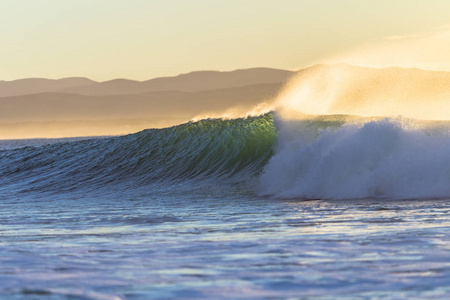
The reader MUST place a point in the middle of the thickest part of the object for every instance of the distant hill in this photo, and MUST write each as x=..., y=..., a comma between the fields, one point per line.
x=40, y=85
x=35, y=107
x=191, y=82
x=164, y=104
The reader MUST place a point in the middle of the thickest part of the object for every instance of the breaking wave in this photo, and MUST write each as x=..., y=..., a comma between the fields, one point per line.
x=388, y=158
x=325, y=157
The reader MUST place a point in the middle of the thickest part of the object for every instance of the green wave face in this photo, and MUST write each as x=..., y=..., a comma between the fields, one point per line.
x=205, y=148
x=234, y=149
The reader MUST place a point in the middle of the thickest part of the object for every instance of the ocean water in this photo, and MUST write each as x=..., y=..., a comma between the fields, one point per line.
x=253, y=208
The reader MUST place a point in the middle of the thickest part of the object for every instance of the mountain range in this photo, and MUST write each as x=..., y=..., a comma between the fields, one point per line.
x=191, y=82
x=38, y=107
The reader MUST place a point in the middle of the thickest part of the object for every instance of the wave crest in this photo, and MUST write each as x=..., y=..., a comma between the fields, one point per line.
x=387, y=158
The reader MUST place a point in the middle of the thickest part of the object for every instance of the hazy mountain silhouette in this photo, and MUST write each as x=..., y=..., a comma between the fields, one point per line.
x=191, y=82
x=40, y=85
x=63, y=115
x=194, y=81
x=69, y=107
x=37, y=107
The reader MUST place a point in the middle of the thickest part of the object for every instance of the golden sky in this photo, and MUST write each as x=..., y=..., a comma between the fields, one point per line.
x=142, y=39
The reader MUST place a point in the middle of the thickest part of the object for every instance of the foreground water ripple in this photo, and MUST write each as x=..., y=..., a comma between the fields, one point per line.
x=225, y=248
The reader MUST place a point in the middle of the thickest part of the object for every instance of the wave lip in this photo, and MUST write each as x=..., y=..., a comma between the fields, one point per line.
x=379, y=159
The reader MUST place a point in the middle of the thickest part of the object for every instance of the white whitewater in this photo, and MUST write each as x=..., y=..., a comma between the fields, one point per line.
x=390, y=149
x=379, y=159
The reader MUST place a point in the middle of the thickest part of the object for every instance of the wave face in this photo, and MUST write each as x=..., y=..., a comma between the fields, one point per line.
x=209, y=149
x=389, y=158
x=326, y=157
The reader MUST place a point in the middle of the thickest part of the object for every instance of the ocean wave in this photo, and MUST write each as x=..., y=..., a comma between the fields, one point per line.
x=388, y=158
x=324, y=157
x=207, y=149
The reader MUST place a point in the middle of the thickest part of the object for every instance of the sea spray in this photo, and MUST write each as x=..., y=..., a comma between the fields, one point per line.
x=348, y=132
x=388, y=158
x=367, y=92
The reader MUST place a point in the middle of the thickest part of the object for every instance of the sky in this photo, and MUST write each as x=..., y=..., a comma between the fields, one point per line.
x=143, y=39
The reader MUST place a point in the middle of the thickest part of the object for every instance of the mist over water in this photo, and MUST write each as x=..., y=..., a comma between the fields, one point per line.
x=368, y=92
x=347, y=132
x=397, y=76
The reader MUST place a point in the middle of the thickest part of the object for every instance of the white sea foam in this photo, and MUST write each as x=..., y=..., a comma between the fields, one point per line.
x=389, y=158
